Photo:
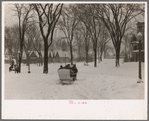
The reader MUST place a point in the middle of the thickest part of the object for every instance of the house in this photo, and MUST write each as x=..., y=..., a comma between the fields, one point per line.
x=51, y=55
x=9, y=54
x=34, y=57
x=42, y=54
x=135, y=43
x=59, y=57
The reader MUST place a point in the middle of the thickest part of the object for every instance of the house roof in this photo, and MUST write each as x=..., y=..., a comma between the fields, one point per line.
x=63, y=54
x=34, y=54
x=51, y=54
x=42, y=53
x=60, y=54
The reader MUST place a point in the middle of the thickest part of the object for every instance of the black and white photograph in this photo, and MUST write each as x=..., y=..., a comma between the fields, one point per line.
x=74, y=53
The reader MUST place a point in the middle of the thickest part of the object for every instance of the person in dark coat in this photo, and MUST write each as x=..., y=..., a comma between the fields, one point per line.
x=67, y=66
x=17, y=69
x=74, y=71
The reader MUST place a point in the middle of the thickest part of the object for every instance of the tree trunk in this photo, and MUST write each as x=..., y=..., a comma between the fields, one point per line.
x=101, y=53
x=98, y=55
x=71, y=54
x=45, y=68
x=41, y=58
x=95, y=57
x=86, y=55
x=41, y=61
x=27, y=64
x=79, y=52
x=125, y=56
x=20, y=56
x=104, y=52
x=86, y=48
x=101, y=56
x=117, y=57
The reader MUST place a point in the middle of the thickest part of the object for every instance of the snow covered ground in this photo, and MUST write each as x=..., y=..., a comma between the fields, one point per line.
x=103, y=82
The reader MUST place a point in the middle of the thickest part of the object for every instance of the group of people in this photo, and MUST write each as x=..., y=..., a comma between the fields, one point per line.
x=73, y=69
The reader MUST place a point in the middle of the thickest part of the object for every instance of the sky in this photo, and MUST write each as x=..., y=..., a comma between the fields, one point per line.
x=11, y=18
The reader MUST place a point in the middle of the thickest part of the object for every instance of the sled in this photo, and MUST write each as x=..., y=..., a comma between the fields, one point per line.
x=64, y=75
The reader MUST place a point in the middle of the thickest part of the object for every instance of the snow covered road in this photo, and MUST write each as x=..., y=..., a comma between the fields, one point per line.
x=103, y=82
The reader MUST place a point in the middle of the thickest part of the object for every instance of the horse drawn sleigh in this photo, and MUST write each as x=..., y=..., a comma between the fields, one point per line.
x=67, y=73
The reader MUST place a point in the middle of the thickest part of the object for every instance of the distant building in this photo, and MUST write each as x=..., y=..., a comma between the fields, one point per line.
x=135, y=43
x=33, y=57
x=51, y=56
x=59, y=57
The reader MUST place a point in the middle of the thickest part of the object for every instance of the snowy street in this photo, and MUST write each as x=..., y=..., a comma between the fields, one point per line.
x=103, y=82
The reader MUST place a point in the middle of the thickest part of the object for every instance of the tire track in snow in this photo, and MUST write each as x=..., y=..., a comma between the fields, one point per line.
x=77, y=92
x=87, y=92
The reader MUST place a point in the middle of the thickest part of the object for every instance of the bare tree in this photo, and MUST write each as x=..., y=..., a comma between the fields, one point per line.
x=30, y=40
x=126, y=41
x=48, y=15
x=68, y=24
x=109, y=51
x=116, y=17
x=102, y=41
x=25, y=21
x=86, y=14
x=79, y=43
x=12, y=40
x=37, y=45
x=82, y=30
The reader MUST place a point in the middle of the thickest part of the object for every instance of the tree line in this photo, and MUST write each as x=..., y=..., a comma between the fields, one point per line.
x=87, y=25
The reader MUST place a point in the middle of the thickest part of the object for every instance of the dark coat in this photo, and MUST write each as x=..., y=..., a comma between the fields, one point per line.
x=67, y=67
x=74, y=69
